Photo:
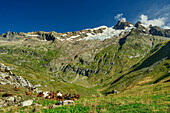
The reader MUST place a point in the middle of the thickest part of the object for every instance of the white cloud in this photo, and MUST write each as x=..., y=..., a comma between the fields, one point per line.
x=166, y=27
x=123, y=19
x=158, y=13
x=154, y=22
x=118, y=16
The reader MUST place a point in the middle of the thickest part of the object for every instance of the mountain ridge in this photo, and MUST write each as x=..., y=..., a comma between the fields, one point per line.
x=92, y=58
x=90, y=34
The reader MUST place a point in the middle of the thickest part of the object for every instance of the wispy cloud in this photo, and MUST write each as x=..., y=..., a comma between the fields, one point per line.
x=120, y=17
x=155, y=22
x=157, y=10
x=157, y=14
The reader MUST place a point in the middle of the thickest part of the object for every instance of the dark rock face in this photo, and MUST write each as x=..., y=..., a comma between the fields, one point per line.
x=154, y=30
x=122, y=25
x=141, y=28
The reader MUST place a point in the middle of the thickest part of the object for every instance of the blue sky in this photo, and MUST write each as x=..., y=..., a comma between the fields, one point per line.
x=75, y=15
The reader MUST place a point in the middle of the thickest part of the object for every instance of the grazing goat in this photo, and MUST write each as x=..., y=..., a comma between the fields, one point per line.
x=27, y=93
x=7, y=69
x=1, y=90
x=40, y=94
x=16, y=88
x=7, y=77
x=59, y=94
x=47, y=97
x=60, y=98
x=77, y=96
x=31, y=89
x=7, y=95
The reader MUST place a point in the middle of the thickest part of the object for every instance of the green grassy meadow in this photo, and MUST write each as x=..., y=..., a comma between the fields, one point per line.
x=146, y=99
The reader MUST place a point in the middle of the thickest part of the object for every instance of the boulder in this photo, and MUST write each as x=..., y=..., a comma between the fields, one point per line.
x=51, y=80
x=2, y=67
x=54, y=106
x=3, y=75
x=38, y=85
x=10, y=101
x=115, y=91
x=60, y=103
x=26, y=103
x=1, y=103
x=3, y=83
x=66, y=102
x=17, y=99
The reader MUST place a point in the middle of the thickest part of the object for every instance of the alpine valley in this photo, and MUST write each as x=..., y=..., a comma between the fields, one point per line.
x=123, y=67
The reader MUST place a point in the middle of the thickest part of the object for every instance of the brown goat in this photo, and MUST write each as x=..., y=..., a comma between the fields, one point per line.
x=1, y=90
x=7, y=77
x=27, y=93
x=7, y=95
x=16, y=88
x=40, y=94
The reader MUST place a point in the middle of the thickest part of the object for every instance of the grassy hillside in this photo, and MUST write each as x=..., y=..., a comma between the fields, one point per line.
x=91, y=64
x=29, y=60
x=153, y=68
x=137, y=65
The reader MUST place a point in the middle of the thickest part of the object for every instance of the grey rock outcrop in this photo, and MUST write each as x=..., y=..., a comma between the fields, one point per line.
x=2, y=103
x=66, y=102
x=2, y=67
x=154, y=30
x=61, y=103
x=10, y=101
x=26, y=103
x=23, y=82
x=38, y=85
x=7, y=77
x=141, y=28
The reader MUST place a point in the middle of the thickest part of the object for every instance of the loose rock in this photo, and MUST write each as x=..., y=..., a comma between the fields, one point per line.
x=26, y=103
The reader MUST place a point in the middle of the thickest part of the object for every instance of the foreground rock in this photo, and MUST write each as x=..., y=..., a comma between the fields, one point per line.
x=61, y=103
x=1, y=103
x=26, y=103
x=9, y=101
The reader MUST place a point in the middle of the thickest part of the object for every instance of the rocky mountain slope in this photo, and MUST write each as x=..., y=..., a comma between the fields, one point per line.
x=102, y=58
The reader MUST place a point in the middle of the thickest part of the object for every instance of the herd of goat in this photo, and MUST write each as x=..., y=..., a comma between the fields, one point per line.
x=48, y=95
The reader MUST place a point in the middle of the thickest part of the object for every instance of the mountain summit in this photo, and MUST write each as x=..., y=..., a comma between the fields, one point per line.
x=122, y=24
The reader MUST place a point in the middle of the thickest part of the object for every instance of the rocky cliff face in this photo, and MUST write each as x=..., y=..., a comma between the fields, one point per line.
x=154, y=30
x=7, y=77
x=122, y=24
x=68, y=36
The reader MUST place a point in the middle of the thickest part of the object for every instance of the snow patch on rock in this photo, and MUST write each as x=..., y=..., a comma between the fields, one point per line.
x=109, y=32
